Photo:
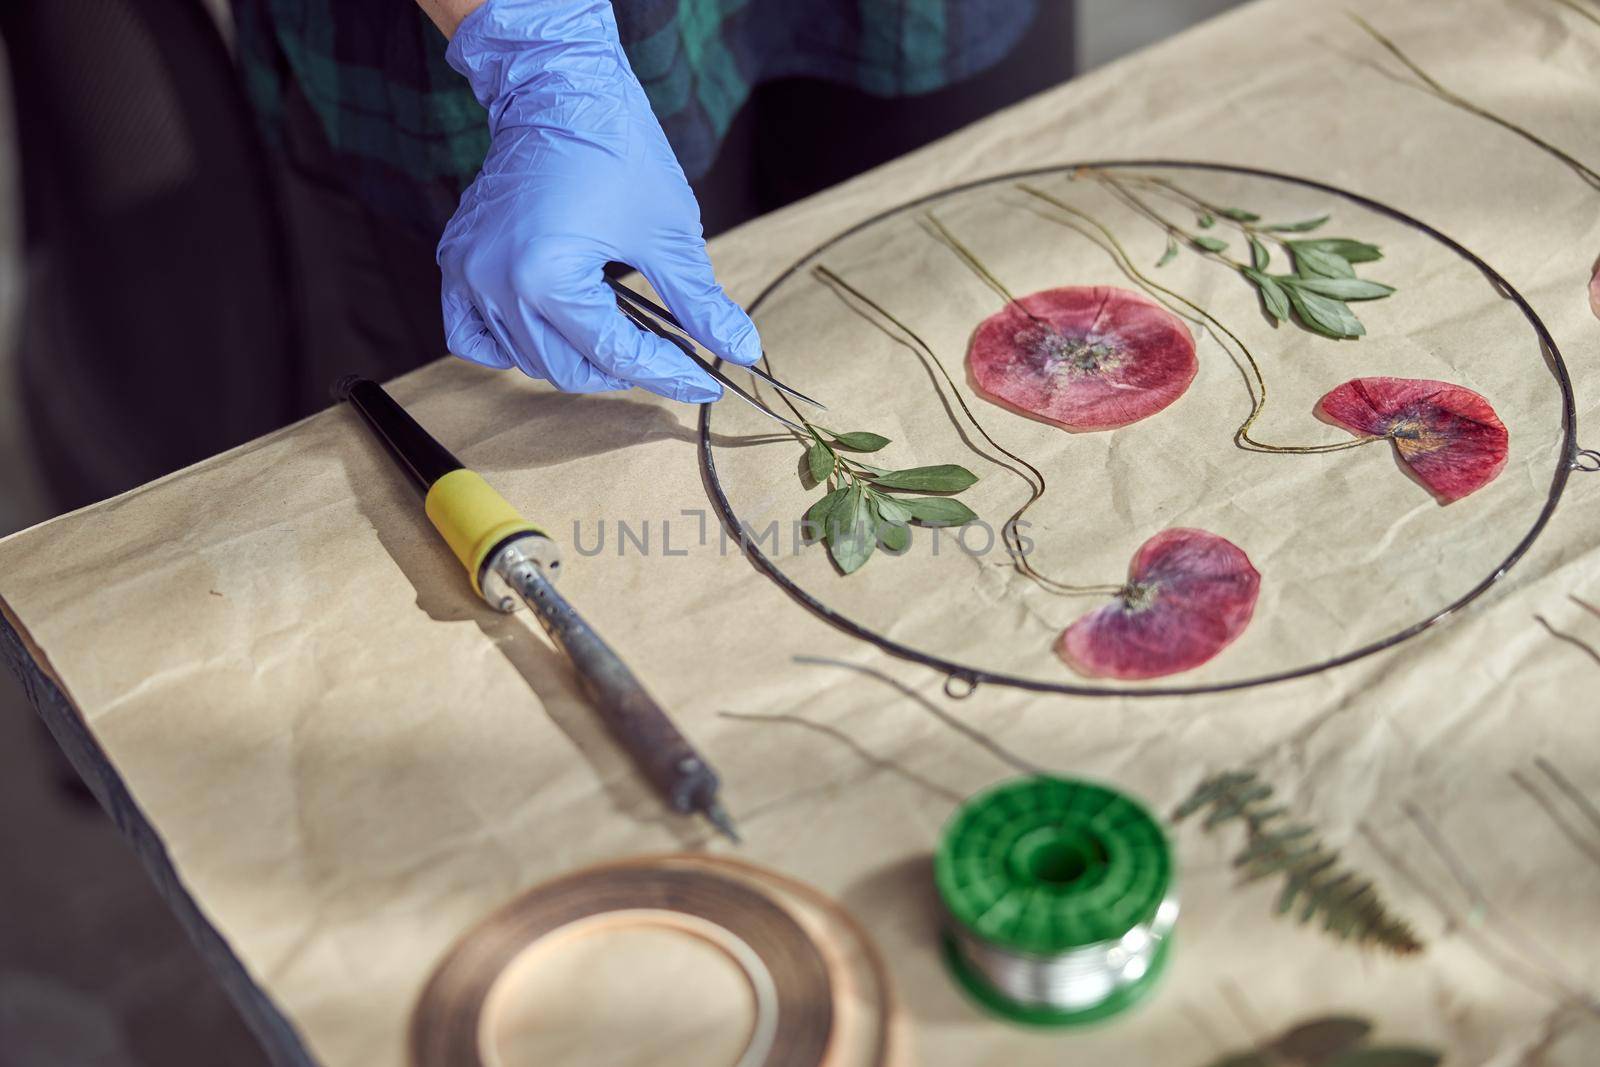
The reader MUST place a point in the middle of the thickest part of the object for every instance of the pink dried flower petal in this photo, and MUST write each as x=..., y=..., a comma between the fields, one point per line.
x=1189, y=594
x=1083, y=357
x=1447, y=434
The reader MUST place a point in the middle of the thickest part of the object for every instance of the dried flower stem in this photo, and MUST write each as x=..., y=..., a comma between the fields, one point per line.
x=1432, y=86
x=1195, y=313
x=1581, y=9
x=1036, y=482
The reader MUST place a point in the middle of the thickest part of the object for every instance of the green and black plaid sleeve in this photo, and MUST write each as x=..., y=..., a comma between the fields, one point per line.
x=373, y=71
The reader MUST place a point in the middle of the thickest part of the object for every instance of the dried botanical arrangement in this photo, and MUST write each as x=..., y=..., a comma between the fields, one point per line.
x=1096, y=358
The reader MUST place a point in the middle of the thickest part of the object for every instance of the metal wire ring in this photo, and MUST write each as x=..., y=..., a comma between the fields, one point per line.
x=1587, y=460
x=959, y=685
x=1567, y=460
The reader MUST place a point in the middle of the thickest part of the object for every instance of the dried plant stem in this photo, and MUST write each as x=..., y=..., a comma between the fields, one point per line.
x=1581, y=9
x=1572, y=639
x=1173, y=192
x=1126, y=195
x=1036, y=483
x=1256, y=381
x=1314, y=883
x=1578, y=167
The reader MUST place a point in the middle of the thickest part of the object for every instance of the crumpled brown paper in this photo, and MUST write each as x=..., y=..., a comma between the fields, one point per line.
x=351, y=760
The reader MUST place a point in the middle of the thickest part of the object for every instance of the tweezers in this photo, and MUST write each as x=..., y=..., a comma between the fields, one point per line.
x=646, y=314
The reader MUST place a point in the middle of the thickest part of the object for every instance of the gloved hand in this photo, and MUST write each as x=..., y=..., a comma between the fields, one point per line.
x=578, y=173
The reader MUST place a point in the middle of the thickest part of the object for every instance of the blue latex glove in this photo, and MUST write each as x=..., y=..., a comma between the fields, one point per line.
x=578, y=174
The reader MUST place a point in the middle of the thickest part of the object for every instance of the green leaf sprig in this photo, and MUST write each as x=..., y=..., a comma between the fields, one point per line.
x=1349, y=905
x=1320, y=282
x=858, y=512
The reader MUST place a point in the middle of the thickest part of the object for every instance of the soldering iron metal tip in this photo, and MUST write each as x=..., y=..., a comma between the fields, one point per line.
x=717, y=816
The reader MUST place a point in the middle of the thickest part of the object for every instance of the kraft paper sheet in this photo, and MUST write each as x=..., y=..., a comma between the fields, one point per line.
x=351, y=761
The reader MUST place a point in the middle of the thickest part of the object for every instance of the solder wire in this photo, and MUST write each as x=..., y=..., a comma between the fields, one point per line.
x=1075, y=980
x=822, y=994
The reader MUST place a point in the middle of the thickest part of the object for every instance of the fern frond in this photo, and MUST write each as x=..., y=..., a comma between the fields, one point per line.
x=1312, y=878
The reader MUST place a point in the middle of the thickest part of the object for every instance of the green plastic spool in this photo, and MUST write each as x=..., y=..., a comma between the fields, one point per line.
x=1039, y=867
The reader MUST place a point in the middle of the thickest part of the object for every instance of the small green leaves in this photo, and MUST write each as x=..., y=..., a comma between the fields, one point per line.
x=893, y=510
x=1324, y=279
x=1324, y=315
x=1259, y=254
x=1273, y=298
x=819, y=461
x=1303, y=226
x=942, y=478
x=1315, y=293
x=857, y=514
x=851, y=531
x=937, y=510
x=1343, y=247
x=817, y=515
x=858, y=440
x=894, y=534
x=1345, y=288
x=1320, y=262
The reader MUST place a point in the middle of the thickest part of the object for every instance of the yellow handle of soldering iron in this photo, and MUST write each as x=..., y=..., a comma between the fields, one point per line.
x=472, y=518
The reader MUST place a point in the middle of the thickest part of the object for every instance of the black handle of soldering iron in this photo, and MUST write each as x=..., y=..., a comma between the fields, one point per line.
x=419, y=454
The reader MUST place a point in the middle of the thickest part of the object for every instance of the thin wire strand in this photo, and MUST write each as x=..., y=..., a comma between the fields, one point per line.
x=1078, y=979
x=1258, y=395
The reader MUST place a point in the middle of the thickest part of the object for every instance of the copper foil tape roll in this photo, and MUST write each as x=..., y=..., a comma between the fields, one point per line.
x=820, y=992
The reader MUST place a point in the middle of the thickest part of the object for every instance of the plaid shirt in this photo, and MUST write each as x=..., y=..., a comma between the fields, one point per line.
x=408, y=131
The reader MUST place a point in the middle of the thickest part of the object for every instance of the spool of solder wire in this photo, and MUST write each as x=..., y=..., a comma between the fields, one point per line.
x=1061, y=898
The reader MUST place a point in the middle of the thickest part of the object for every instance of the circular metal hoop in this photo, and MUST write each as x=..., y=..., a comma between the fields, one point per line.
x=1567, y=458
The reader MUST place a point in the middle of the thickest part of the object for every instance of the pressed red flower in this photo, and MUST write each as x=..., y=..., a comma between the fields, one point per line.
x=1083, y=357
x=1447, y=434
x=1189, y=594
